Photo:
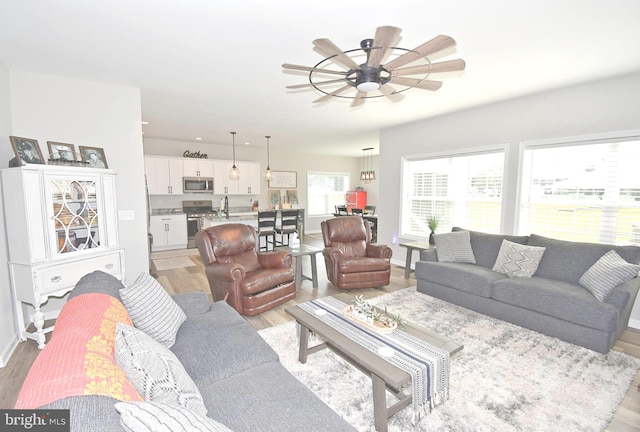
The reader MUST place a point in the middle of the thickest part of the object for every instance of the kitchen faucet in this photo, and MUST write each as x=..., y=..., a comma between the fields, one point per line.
x=226, y=207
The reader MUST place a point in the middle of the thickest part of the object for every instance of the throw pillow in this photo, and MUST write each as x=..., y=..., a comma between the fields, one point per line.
x=454, y=247
x=607, y=273
x=155, y=371
x=155, y=416
x=518, y=260
x=152, y=309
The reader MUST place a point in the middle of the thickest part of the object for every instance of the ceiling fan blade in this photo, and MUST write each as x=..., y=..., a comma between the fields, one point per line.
x=333, y=93
x=310, y=69
x=412, y=82
x=383, y=39
x=359, y=99
x=299, y=86
x=329, y=49
x=391, y=94
x=445, y=66
x=436, y=44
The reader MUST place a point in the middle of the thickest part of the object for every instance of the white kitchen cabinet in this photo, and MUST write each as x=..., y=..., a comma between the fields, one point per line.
x=164, y=175
x=248, y=184
x=62, y=224
x=169, y=231
x=192, y=167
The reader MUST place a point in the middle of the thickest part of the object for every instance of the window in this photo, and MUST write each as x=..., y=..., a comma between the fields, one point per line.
x=582, y=191
x=462, y=190
x=325, y=191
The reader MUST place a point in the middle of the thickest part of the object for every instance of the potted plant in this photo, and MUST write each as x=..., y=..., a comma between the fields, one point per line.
x=432, y=223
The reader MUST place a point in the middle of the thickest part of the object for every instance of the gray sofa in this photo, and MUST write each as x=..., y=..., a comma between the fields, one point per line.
x=243, y=384
x=551, y=302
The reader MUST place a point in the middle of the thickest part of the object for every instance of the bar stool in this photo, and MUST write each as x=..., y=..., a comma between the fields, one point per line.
x=288, y=225
x=266, y=229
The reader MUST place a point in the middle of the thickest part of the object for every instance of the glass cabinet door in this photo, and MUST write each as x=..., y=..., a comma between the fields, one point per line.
x=75, y=214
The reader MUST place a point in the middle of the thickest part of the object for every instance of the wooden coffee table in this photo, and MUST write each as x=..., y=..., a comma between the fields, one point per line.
x=384, y=375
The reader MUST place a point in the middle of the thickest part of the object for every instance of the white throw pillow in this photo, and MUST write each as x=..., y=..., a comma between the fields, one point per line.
x=155, y=371
x=152, y=309
x=517, y=260
x=454, y=247
x=156, y=416
x=607, y=273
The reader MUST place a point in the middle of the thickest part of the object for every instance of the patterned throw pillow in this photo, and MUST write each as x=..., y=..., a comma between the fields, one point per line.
x=607, y=273
x=517, y=260
x=155, y=416
x=454, y=247
x=155, y=371
x=152, y=309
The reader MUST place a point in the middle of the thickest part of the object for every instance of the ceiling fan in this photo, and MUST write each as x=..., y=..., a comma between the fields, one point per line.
x=407, y=68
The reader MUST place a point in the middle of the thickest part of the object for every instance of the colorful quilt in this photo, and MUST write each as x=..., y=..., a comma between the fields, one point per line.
x=79, y=359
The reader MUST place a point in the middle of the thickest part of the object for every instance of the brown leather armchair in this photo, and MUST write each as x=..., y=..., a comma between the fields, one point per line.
x=254, y=281
x=351, y=259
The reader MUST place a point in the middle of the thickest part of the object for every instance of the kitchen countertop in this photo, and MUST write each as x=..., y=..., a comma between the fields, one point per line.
x=166, y=211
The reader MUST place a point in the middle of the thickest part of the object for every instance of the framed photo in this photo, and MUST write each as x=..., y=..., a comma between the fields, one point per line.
x=61, y=152
x=274, y=199
x=292, y=197
x=94, y=156
x=27, y=150
x=283, y=179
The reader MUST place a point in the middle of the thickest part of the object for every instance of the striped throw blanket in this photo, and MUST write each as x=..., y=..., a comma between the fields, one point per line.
x=427, y=365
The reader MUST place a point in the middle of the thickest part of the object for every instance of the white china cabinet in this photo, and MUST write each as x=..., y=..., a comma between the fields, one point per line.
x=61, y=224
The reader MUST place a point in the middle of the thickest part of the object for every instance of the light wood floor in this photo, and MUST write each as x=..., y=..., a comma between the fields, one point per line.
x=186, y=279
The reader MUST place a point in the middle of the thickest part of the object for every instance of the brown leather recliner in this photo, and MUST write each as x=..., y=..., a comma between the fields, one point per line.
x=254, y=281
x=351, y=259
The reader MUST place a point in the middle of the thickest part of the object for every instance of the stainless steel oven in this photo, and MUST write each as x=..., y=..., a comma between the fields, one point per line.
x=197, y=185
x=196, y=212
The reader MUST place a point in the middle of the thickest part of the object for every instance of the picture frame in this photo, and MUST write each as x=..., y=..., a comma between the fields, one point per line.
x=284, y=179
x=274, y=199
x=94, y=156
x=27, y=151
x=61, y=152
x=292, y=197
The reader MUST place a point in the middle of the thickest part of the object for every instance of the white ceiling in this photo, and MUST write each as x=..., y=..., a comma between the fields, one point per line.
x=206, y=68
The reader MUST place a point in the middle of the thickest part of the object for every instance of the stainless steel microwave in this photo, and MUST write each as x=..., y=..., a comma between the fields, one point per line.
x=197, y=185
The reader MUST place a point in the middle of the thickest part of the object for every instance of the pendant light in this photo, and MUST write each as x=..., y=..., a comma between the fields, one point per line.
x=367, y=174
x=267, y=172
x=234, y=172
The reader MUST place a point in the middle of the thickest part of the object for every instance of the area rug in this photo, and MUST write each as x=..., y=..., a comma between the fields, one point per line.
x=173, y=263
x=506, y=378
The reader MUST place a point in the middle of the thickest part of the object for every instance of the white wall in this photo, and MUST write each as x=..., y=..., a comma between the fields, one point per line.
x=599, y=107
x=279, y=161
x=51, y=108
x=7, y=320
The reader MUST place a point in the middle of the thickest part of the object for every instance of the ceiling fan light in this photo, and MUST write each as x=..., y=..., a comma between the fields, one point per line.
x=368, y=86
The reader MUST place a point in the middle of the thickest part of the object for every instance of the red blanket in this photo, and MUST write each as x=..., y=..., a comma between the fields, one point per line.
x=79, y=358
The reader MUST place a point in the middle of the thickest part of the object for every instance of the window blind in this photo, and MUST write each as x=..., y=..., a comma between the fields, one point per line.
x=588, y=191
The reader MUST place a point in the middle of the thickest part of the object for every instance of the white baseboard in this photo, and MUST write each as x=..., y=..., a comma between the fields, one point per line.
x=8, y=351
x=634, y=323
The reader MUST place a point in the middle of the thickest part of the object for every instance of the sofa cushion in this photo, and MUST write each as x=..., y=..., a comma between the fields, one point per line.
x=470, y=278
x=607, y=273
x=486, y=246
x=517, y=260
x=454, y=247
x=568, y=261
x=152, y=309
x=208, y=345
x=81, y=351
x=270, y=392
x=156, y=416
x=563, y=300
x=155, y=371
